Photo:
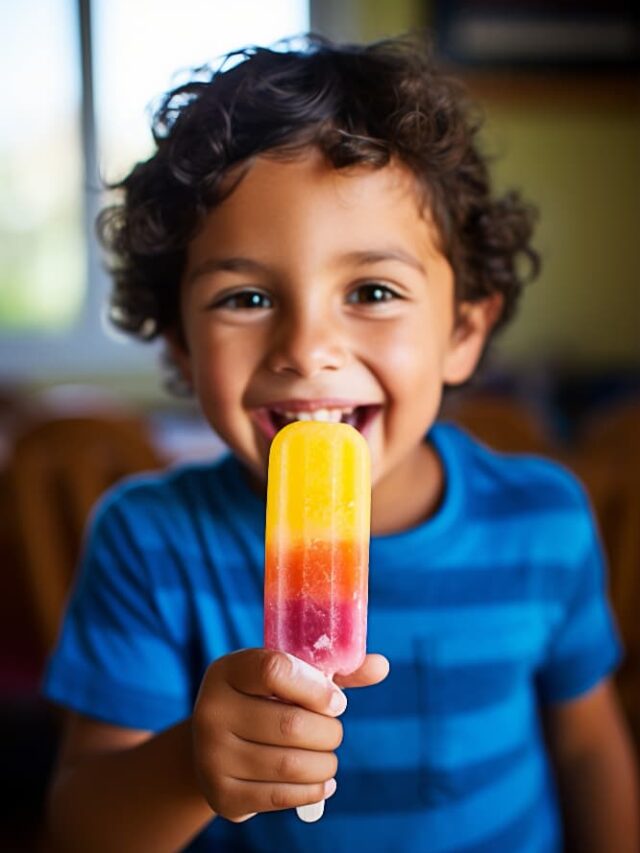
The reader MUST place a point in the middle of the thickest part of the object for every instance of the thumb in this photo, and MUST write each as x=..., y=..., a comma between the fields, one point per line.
x=374, y=670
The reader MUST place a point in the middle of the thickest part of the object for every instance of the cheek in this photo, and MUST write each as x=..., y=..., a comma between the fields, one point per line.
x=221, y=368
x=408, y=359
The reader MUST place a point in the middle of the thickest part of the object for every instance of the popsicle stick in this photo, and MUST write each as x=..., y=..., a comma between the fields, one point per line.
x=311, y=812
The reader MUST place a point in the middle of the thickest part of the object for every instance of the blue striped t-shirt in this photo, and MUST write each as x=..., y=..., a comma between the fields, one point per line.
x=491, y=608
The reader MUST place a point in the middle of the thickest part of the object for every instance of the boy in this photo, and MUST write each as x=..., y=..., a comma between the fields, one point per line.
x=315, y=238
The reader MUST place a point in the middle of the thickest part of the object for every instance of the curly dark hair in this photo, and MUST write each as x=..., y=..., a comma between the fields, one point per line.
x=357, y=104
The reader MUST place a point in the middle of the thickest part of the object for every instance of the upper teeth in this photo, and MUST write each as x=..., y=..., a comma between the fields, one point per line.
x=327, y=415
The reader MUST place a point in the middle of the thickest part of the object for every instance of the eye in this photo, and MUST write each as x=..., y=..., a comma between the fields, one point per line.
x=244, y=300
x=372, y=293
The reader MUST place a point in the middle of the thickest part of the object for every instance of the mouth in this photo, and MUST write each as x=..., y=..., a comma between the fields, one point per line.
x=272, y=418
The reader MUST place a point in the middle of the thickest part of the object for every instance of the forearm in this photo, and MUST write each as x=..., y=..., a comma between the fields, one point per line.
x=145, y=798
x=599, y=795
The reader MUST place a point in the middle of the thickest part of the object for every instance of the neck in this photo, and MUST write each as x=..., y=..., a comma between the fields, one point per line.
x=409, y=494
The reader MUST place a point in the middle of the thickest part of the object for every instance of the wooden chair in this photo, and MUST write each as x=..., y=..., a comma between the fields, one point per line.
x=612, y=442
x=609, y=463
x=615, y=434
x=57, y=470
x=501, y=422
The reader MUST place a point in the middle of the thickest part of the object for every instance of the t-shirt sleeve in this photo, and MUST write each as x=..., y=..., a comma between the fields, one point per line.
x=116, y=658
x=584, y=646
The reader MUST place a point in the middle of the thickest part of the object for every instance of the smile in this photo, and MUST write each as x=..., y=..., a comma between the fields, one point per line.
x=271, y=419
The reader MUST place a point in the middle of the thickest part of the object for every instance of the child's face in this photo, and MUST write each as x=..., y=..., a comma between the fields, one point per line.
x=314, y=290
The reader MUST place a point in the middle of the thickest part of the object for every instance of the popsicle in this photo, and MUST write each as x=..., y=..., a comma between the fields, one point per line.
x=317, y=548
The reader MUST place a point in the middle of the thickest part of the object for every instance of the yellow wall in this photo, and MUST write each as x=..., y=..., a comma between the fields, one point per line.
x=578, y=160
x=381, y=18
x=581, y=166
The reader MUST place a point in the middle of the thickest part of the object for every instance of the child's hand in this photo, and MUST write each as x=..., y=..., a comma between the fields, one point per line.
x=265, y=731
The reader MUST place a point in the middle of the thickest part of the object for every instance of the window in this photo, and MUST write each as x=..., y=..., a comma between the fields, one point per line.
x=43, y=256
x=52, y=286
x=142, y=49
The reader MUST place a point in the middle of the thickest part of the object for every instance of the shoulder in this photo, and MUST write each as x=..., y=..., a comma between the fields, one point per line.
x=152, y=501
x=519, y=472
x=512, y=484
x=171, y=486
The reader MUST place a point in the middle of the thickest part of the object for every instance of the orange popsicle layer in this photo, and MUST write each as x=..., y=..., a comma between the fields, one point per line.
x=339, y=567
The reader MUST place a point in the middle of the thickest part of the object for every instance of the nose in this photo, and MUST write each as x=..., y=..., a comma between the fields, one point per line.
x=306, y=344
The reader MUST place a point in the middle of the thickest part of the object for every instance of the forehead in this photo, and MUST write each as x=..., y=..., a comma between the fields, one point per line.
x=303, y=199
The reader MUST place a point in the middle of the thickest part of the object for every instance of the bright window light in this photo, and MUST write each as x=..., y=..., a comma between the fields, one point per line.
x=42, y=273
x=138, y=46
x=142, y=49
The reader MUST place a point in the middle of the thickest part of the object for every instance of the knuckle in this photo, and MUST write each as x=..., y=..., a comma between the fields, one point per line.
x=288, y=768
x=280, y=798
x=291, y=723
x=271, y=670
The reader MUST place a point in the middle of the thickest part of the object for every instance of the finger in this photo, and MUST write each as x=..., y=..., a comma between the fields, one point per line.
x=256, y=763
x=264, y=672
x=270, y=796
x=268, y=721
x=374, y=670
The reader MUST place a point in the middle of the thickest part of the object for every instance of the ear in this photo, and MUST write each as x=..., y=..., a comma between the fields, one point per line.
x=179, y=353
x=473, y=325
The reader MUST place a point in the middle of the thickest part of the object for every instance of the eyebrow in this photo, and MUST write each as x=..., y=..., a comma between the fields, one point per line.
x=363, y=258
x=360, y=258
x=212, y=265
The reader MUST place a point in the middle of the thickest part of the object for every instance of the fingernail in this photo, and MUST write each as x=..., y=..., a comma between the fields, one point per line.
x=246, y=817
x=330, y=788
x=338, y=702
x=302, y=669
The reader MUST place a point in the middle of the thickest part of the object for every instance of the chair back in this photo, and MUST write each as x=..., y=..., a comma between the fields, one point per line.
x=610, y=450
x=503, y=423
x=57, y=471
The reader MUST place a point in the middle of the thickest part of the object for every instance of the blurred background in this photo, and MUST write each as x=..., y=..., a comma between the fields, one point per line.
x=80, y=406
